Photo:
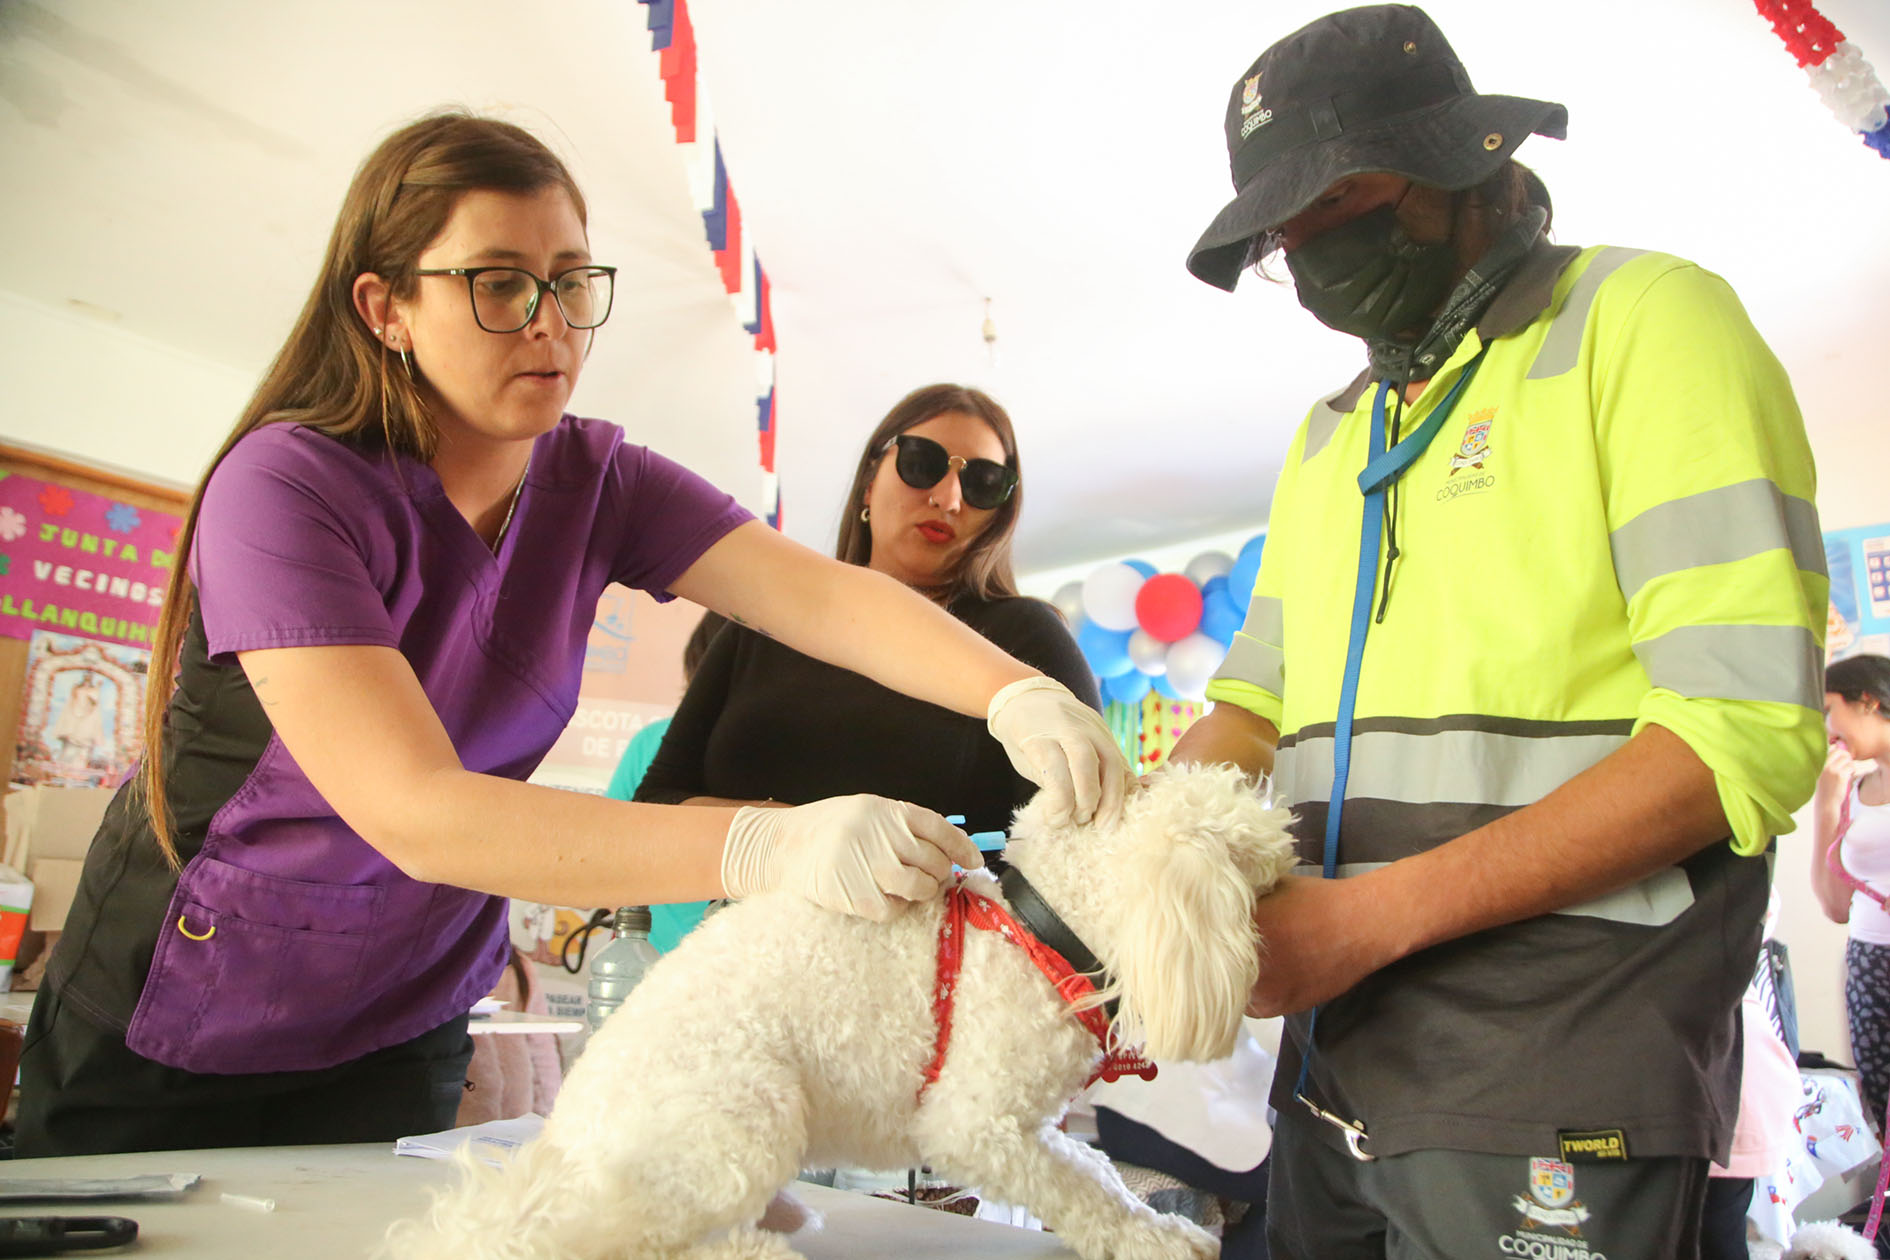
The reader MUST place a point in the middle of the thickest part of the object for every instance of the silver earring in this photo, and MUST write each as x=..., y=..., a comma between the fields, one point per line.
x=865, y=513
x=406, y=362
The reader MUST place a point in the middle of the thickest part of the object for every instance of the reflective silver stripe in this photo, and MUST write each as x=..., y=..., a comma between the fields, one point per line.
x=1563, y=344
x=1266, y=619
x=1466, y=766
x=1780, y=664
x=1251, y=661
x=1285, y=767
x=1321, y=425
x=1716, y=527
x=1657, y=900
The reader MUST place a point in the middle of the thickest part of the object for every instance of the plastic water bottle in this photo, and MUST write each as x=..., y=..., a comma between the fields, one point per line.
x=621, y=964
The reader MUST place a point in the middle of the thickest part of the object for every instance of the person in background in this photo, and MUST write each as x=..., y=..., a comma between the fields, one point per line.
x=933, y=503
x=393, y=564
x=1850, y=858
x=1769, y=1092
x=668, y=924
x=514, y=1074
x=1539, y=692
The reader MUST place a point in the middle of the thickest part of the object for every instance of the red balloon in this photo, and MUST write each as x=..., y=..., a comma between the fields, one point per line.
x=1169, y=606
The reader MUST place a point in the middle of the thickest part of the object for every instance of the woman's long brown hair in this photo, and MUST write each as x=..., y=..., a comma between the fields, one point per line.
x=333, y=374
x=985, y=567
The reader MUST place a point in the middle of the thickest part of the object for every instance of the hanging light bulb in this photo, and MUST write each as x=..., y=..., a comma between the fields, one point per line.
x=990, y=334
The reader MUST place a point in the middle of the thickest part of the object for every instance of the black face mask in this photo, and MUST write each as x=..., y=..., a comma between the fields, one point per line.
x=1370, y=279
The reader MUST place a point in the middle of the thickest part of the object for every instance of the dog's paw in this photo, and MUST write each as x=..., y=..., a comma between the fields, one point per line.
x=788, y=1215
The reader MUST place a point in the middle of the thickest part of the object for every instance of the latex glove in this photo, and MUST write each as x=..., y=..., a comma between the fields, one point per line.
x=1063, y=746
x=863, y=855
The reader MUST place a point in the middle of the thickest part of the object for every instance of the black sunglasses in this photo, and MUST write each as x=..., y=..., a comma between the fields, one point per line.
x=923, y=463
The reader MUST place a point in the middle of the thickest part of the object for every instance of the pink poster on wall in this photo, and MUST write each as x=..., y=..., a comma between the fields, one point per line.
x=81, y=563
x=632, y=677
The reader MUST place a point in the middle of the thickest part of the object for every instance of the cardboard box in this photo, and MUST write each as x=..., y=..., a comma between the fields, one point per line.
x=16, y=901
x=52, y=822
x=55, y=883
x=48, y=830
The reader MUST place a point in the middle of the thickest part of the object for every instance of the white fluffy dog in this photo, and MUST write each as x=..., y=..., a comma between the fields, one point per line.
x=781, y=1035
x=1827, y=1240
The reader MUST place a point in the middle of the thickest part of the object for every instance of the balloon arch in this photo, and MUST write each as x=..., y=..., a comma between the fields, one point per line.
x=1154, y=639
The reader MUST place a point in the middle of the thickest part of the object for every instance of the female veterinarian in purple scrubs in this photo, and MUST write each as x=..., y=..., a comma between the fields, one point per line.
x=393, y=567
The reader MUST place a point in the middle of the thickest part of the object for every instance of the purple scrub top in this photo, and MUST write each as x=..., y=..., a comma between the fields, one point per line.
x=290, y=942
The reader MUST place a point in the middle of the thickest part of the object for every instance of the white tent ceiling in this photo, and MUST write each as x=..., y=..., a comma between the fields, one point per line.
x=172, y=169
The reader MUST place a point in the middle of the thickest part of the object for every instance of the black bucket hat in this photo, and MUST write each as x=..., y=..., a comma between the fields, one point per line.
x=1371, y=89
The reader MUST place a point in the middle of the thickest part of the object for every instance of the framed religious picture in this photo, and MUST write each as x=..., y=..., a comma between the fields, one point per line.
x=82, y=711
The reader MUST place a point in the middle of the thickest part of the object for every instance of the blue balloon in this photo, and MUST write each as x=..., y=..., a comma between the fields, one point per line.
x=1216, y=583
x=1107, y=651
x=1143, y=567
x=1221, y=617
x=1126, y=688
x=1161, y=685
x=1246, y=569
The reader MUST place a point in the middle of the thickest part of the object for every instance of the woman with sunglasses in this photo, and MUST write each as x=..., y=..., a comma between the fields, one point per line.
x=934, y=502
x=392, y=567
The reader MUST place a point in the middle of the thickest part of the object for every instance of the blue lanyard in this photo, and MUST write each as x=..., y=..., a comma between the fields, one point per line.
x=1384, y=465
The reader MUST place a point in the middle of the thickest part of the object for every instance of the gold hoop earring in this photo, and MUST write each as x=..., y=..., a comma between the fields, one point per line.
x=866, y=513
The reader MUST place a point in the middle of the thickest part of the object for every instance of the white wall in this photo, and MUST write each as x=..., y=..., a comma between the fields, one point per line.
x=85, y=388
x=680, y=380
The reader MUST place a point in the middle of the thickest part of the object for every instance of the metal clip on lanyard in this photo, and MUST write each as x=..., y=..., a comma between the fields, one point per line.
x=1382, y=469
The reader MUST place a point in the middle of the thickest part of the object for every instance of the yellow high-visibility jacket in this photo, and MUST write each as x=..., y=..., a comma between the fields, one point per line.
x=1615, y=527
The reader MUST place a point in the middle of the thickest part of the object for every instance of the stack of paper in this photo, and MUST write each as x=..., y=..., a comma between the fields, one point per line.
x=491, y=1141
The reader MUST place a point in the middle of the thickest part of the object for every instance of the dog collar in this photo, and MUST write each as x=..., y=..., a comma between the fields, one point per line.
x=1030, y=909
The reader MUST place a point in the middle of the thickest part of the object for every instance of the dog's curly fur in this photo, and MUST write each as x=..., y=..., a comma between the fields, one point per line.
x=1828, y=1240
x=780, y=1035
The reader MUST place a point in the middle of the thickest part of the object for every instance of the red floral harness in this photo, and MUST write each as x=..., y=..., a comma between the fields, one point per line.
x=966, y=908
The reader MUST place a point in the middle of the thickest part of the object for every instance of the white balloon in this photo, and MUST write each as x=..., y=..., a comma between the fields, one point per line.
x=1109, y=596
x=1209, y=564
x=1069, y=601
x=1191, y=664
x=1148, y=653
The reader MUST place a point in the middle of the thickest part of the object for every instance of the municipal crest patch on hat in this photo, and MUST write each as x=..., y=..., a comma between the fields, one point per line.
x=1250, y=95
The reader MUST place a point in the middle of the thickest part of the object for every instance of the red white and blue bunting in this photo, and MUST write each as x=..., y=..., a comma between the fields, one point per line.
x=674, y=39
x=1849, y=87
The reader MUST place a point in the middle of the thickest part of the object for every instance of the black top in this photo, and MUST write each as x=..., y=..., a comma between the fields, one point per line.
x=760, y=721
x=216, y=732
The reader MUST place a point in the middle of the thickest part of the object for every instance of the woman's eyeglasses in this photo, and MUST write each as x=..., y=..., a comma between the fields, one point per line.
x=504, y=299
x=923, y=463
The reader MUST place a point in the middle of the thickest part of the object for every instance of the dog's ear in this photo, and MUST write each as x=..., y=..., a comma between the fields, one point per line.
x=1186, y=955
x=1262, y=842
